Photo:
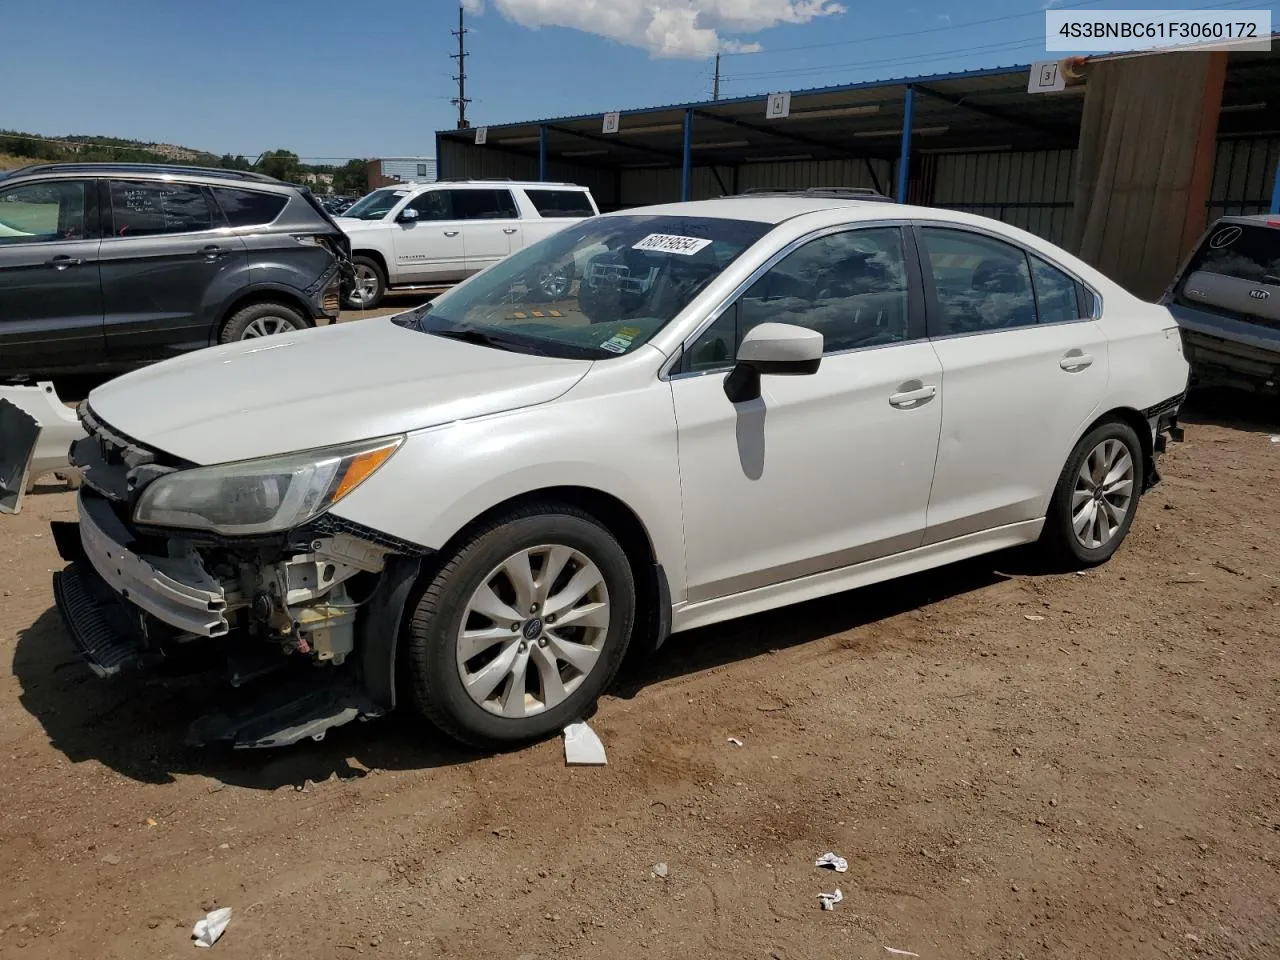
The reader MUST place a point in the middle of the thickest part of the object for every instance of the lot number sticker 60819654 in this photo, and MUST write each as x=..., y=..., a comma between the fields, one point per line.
x=669, y=243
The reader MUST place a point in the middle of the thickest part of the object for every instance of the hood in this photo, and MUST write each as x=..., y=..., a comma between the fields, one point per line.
x=337, y=384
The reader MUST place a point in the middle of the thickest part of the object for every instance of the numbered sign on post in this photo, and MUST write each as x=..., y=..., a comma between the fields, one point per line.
x=610, y=124
x=1046, y=77
x=482, y=135
x=779, y=106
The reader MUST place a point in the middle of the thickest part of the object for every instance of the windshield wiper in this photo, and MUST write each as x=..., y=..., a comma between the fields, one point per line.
x=476, y=337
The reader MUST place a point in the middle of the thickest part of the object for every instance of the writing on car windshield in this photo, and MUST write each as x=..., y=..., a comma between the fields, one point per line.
x=598, y=289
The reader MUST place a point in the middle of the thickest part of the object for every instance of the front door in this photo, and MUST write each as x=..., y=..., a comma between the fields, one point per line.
x=168, y=265
x=50, y=287
x=822, y=471
x=428, y=247
x=1024, y=370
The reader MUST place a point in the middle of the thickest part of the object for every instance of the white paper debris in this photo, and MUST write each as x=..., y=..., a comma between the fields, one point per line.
x=829, y=900
x=838, y=864
x=1032, y=617
x=660, y=870
x=901, y=953
x=735, y=741
x=1275, y=438
x=208, y=930
x=582, y=747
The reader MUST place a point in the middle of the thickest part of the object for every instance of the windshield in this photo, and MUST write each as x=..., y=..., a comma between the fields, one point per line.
x=376, y=205
x=594, y=290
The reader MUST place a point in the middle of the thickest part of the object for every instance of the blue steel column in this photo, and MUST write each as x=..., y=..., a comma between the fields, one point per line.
x=904, y=154
x=542, y=152
x=686, y=172
x=1275, y=192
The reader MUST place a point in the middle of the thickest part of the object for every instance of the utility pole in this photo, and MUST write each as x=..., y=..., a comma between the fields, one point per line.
x=715, y=89
x=461, y=101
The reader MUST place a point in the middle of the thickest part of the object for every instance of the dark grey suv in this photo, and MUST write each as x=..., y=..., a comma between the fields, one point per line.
x=111, y=266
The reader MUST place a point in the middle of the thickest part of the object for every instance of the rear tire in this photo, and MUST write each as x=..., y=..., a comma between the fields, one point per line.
x=1096, y=497
x=368, y=286
x=262, y=320
x=483, y=664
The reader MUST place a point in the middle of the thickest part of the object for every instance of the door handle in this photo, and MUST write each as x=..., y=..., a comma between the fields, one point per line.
x=909, y=399
x=451, y=233
x=1075, y=360
x=62, y=261
x=211, y=252
x=508, y=229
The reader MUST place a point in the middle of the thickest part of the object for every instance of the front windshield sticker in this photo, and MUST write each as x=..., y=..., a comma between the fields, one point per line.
x=399, y=193
x=669, y=243
x=621, y=340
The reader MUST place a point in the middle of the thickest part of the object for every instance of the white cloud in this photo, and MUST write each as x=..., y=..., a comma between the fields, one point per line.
x=473, y=6
x=666, y=28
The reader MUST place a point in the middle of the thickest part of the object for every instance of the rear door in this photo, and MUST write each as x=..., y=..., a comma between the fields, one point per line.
x=50, y=288
x=490, y=225
x=1024, y=370
x=166, y=263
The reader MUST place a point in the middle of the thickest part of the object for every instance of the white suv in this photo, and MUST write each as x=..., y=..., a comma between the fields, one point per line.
x=431, y=235
x=477, y=506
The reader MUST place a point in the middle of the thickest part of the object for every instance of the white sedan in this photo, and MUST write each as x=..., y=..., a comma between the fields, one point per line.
x=479, y=505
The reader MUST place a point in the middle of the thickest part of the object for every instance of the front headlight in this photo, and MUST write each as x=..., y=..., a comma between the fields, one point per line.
x=261, y=496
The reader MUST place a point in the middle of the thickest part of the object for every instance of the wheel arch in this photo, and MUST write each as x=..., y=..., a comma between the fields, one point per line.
x=1134, y=419
x=258, y=295
x=376, y=256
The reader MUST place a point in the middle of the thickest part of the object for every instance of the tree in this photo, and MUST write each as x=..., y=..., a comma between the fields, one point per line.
x=281, y=164
x=228, y=162
x=351, y=179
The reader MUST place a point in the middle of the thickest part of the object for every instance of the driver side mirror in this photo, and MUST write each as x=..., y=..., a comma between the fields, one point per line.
x=772, y=348
x=407, y=215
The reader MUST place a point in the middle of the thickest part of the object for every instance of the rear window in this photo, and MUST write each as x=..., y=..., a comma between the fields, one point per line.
x=561, y=203
x=249, y=208
x=1239, y=250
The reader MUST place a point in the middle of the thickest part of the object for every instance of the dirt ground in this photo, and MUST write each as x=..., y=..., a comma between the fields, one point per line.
x=1015, y=764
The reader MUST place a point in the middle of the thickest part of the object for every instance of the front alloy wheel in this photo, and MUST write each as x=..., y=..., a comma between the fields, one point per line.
x=520, y=629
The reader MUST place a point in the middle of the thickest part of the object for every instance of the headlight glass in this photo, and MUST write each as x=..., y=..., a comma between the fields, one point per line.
x=261, y=496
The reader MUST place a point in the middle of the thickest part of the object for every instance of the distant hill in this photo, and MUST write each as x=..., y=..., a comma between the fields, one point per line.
x=31, y=148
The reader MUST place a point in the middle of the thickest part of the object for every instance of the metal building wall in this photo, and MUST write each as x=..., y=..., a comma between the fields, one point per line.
x=1029, y=190
x=1244, y=176
x=795, y=174
x=645, y=185
x=407, y=169
x=459, y=161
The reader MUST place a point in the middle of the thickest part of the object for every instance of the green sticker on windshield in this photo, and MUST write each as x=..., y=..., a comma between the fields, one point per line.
x=620, y=341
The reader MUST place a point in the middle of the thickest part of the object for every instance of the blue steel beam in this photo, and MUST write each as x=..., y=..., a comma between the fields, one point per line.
x=1275, y=192
x=904, y=155
x=542, y=152
x=686, y=166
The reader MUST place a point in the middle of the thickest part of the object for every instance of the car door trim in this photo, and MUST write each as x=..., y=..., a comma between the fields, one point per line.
x=915, y=304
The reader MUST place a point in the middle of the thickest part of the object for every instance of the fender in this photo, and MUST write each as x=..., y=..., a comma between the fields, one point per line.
x=380, y=629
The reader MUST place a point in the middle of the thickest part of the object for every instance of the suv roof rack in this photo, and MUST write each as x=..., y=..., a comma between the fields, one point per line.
x=548, y=183
x=835, y=193
x=107, y=166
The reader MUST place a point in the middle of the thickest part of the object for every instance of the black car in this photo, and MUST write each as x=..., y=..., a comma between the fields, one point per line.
x=108, y=266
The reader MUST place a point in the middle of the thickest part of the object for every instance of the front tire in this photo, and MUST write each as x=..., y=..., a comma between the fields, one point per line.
x=261, y=320
x=368, y=285
x=1096, y=497
x=520, y=631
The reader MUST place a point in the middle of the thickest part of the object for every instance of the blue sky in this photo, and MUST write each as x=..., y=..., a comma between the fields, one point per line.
x=331, y=79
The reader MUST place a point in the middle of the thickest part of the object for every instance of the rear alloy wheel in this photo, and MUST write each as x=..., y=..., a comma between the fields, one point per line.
x=367, y=286
x=519, y=633
x=261, y=320
x=1097, y=496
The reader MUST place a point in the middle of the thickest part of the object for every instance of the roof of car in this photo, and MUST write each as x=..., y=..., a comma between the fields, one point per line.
x=775, y=208
x=106, y=168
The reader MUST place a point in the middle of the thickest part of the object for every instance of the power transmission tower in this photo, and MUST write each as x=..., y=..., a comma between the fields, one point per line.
x=715, y=88
x=461, y=100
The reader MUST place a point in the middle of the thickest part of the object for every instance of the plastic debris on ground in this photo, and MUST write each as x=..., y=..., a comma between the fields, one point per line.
x=838, y=864
x=582, y=747
x=660, y=870
x=735, y=741
x=900, y=953
x=207, y=931
x=829, y=900
x=1033, y=617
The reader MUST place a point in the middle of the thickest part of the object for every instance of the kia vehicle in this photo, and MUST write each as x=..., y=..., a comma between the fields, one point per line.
x=474, y=508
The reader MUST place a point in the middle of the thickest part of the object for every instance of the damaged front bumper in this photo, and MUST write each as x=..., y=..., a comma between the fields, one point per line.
x=36, y=433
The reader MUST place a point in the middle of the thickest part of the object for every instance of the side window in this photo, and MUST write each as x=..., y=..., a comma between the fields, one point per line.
x=483, y=205
x=43, y=212
x=1055, y=293
x=434, y=205
x=248, y=208
x=422, y=169
x=143, y=208
x=981, y=283
x=850, y=286
x=561, y=203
